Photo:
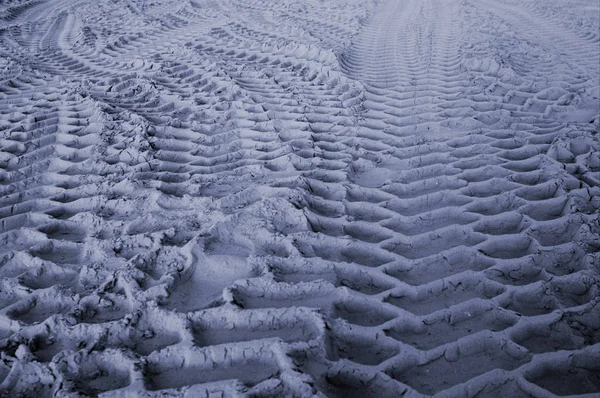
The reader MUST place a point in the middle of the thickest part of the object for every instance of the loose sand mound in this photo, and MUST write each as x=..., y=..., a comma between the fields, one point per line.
x=299, y=198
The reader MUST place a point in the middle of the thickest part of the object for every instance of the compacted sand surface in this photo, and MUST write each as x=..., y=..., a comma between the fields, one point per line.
x=298, y=198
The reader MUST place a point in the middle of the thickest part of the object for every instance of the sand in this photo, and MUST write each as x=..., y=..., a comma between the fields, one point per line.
x=301, y=198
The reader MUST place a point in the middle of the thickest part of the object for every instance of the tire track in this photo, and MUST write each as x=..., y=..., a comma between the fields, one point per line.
x=249, y=198
x=570, y=64
x=486, y=198
x=112, y=216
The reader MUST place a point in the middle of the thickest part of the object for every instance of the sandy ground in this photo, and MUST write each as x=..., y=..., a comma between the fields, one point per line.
x=299, y=198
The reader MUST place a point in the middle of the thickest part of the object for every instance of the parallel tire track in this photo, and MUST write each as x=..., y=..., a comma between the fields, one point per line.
x=257, y=198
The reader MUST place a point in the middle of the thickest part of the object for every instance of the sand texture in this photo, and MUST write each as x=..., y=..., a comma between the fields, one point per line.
x=297, y=198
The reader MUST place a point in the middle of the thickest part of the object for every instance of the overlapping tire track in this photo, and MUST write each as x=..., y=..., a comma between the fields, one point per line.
x=223, y=197
x=137, y=186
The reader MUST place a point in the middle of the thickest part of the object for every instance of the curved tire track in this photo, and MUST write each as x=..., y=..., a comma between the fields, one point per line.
x=249, y=198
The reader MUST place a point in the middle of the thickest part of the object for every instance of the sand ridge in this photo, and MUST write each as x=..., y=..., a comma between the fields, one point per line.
x=299, y=198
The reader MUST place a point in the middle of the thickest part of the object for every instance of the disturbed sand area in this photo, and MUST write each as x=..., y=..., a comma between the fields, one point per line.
x=299, y=198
